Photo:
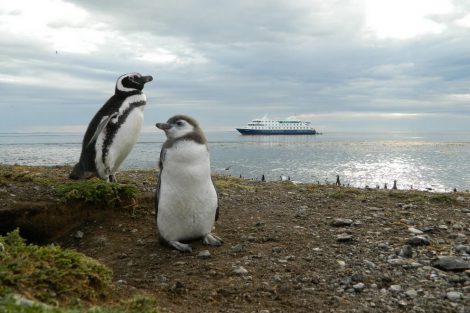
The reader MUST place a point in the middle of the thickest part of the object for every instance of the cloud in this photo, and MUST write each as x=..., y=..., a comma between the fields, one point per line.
x=227, y=62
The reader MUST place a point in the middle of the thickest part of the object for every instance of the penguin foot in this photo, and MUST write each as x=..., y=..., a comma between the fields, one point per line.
x=182, y=247
x=212, y=240
x=112, y=178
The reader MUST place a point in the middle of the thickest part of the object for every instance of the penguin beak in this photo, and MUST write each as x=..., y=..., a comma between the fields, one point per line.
x=144, y=79
x=163, y=126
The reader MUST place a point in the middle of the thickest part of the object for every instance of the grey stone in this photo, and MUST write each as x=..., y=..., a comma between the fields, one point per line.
x=358, y=287
x=341, y=222
x=462, y=249
x=411, y=293
x=344, y=238
x=394, y=288
x=451, y=263
x=406, y=251
x=454, y=295
x=397, y=262
x=238, y=248
x=240, y=270
x=418, y=241
x=415, y=231
x=204, y=254
x=79, y=234
x=24, y=302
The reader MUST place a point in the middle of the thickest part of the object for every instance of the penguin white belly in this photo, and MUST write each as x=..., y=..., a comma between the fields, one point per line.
x=188, y=200
x=124, y=140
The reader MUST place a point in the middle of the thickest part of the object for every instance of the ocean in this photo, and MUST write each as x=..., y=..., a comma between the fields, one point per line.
x=428, y=161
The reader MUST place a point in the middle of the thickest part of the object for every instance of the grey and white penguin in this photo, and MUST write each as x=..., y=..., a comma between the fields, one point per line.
x=114, y=130
x=185, y=201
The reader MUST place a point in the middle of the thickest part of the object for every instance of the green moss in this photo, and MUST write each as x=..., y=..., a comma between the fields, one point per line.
x=10, y=304
x=423, y=197
x=443, y=198
x=98, y=191
x=49, y=273
x=232, y=183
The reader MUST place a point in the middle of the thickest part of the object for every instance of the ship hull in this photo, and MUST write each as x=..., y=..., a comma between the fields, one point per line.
x=245, y=131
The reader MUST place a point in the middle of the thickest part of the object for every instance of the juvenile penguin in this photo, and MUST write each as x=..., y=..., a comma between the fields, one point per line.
x=185, y=200
x=114, y=130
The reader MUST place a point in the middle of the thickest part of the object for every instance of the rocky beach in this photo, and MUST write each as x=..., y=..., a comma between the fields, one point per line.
x=287, y=247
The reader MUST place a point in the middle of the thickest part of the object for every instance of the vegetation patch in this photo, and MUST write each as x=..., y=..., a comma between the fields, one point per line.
x=48, y=273
x=37, y=175
x=232, y=182
x=443, y=198
x=97, y=191
x=12, y=304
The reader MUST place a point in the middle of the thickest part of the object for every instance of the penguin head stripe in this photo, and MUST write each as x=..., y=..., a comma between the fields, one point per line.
x=190, y=120
x=131, y=82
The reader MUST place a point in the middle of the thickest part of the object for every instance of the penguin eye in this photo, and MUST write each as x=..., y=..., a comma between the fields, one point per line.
x=179, y=123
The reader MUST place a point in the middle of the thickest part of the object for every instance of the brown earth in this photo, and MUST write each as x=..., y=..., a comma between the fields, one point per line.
x=297, y=255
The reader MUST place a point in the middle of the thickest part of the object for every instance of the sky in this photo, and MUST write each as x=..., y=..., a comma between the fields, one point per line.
x=344, y=65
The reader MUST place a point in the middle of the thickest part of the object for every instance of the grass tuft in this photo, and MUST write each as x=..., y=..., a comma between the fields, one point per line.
x=97, y=191
x=50, y=273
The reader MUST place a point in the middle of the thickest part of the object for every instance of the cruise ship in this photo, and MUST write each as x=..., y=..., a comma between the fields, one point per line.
x=289, y=126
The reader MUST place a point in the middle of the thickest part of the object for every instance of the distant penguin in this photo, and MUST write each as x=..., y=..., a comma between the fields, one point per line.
x=185, y=201
x=114, y=130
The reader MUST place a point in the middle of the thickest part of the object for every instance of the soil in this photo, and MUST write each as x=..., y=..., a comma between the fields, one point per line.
x=287, y=248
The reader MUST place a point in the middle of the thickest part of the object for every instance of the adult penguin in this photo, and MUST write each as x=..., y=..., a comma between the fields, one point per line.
x=114, y=130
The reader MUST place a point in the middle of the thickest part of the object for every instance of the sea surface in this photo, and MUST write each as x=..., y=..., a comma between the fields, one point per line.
x=428, y=161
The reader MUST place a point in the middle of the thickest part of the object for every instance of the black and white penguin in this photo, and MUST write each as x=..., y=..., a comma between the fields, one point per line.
x=185, y=201
x=114, y=130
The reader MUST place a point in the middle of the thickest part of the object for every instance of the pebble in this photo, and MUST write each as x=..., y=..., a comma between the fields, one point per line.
x=341, y=263
x=344, y=238
x=240, y=270
x=358, y=287
x=341, y=222
x=204, y=254
x=415, y=231
x=79, y=234
x=397, y=262
x=277, y=249
x=454, y=295
x=406, y=252
x=394, y=288
x=411, y=293
x=238, y=248
x=369, y=264
x=451, y=263
x=418, y=241
x=24, y=302
x=443, y=227
x=462, y=249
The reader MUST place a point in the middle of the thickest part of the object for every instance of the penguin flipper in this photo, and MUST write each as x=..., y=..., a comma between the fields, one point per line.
x=101, y=126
